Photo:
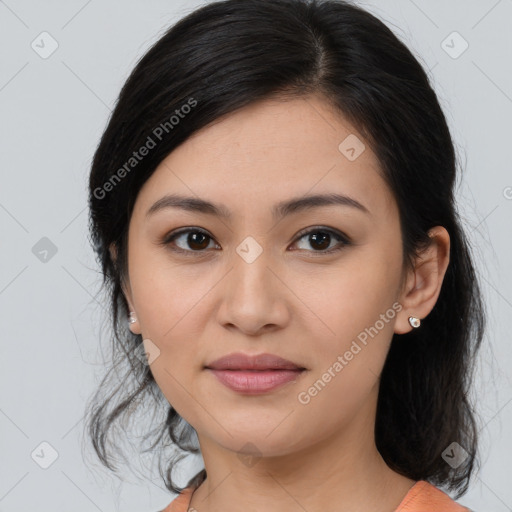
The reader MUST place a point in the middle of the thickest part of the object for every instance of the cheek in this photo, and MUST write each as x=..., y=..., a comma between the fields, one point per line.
x=348, y=361
x=173, y=316
x=357, y=307
x=166, y=294
x=177, y=336
x=171, y=303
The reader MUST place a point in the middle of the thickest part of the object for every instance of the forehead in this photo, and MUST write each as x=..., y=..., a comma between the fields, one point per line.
x=269, y=151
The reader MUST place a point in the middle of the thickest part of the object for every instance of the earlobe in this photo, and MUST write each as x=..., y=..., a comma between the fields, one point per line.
x=132, y=323
x=132, y=317
x=132, y=320
x=425, y=282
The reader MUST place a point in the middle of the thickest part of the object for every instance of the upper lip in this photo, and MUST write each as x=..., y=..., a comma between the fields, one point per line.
x=240, y=361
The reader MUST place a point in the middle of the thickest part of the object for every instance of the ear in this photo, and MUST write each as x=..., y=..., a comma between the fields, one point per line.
x=424, y=282
x=134, y=327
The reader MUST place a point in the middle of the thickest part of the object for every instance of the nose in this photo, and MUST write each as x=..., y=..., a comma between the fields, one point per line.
x=254, y=297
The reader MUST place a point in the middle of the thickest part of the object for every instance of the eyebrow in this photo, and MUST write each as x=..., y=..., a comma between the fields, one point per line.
x=280, y=210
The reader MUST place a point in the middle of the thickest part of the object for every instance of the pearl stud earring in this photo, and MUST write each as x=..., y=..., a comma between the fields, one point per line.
x=415, y=322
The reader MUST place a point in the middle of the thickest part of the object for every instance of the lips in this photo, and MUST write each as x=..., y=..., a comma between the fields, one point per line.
x=258, y=362
x=255, y=382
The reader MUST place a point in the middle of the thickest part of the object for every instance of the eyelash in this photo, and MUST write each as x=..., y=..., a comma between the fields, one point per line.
x=344, y=240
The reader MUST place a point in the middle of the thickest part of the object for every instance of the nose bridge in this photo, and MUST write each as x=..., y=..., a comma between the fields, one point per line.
x=251, y=275
x=251, y=299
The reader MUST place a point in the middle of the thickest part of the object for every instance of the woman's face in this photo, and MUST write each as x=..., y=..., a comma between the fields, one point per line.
x=256, y=285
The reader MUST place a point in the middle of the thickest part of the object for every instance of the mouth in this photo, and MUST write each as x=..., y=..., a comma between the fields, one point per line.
x=254, y=374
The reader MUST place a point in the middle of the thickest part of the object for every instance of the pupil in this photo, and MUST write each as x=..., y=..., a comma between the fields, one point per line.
x=192, y=239
x=324, y=236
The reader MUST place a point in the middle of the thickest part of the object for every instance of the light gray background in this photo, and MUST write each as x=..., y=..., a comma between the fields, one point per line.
x=53, y=111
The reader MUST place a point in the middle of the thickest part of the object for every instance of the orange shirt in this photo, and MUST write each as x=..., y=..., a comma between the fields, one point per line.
x=422, y=497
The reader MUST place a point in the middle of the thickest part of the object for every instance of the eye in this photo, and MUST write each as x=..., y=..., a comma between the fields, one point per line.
x=192, y=240
x=320, y=239
x=197, y=241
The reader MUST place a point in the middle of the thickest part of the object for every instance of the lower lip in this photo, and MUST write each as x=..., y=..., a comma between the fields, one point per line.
x=255, y=382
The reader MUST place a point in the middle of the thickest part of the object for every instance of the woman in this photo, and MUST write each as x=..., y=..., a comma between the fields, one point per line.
x=272, y=204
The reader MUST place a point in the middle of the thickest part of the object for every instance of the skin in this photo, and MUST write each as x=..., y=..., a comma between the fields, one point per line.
x=291, y=301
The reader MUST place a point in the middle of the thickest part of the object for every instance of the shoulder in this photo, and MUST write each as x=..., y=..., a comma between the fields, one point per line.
x=181, y=502
x=424, y=496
